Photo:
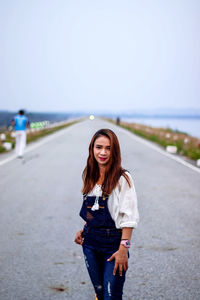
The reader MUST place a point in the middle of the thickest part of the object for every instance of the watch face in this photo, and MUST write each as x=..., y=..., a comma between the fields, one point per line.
x=126, y=243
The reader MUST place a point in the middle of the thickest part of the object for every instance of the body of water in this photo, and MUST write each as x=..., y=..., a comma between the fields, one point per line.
x=190, y=126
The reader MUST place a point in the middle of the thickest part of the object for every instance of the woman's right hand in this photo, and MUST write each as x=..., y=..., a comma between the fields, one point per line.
x=78, y=238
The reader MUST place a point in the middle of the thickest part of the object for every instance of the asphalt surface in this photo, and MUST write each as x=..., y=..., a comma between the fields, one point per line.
x=40, y=201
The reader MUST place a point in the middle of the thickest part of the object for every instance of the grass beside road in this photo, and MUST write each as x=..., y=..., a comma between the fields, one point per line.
x=187, y=145
x=34, y=135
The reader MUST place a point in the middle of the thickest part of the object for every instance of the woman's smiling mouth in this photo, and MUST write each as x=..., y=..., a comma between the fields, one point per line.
x=103, y=158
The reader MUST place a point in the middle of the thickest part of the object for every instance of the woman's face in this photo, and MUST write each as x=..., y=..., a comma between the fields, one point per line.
x=102, y=150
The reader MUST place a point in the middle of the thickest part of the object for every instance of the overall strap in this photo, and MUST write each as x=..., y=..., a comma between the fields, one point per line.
x=84, y=196
x=105, y=197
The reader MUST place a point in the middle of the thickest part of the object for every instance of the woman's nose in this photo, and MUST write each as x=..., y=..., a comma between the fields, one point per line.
x=103, y=151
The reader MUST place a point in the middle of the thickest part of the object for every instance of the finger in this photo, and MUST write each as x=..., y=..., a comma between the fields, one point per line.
x=125, y=267
x=111, y=258
x=78, y=240
x=120, y=270
x=81, y=240
x=115, y=269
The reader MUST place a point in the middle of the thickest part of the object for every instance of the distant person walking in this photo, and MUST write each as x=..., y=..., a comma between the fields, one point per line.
x=20, y=123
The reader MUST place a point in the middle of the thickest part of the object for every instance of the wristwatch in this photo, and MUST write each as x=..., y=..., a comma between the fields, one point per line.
x=125, y=243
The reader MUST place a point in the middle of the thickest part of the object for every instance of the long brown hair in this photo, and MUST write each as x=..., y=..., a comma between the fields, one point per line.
x=113, y=171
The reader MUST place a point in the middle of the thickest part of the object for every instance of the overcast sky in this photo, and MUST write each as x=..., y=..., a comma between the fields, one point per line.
x=69, y=55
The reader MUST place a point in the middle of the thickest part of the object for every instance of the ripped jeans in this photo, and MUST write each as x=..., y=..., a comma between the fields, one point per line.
x=106, y=285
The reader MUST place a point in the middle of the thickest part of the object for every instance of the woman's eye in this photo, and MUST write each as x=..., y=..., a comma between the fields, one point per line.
x=99, y=147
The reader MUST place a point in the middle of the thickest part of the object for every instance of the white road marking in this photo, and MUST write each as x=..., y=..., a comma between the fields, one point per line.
x=7, y=159
x=131, y=135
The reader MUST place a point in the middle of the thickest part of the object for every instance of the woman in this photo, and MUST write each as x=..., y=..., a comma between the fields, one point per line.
x=110, y=213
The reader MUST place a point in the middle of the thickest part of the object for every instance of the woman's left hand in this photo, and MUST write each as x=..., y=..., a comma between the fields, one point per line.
x=121, y=260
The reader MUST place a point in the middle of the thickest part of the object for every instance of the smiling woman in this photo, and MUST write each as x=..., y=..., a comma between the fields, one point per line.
x=102, y=150
x=104, y=162
x=110, y=213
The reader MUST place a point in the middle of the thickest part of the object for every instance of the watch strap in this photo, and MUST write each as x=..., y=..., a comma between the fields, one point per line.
x=125, y=243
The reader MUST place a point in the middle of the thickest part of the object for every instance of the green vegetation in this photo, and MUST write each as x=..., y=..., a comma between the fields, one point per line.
x=34, y=135
x=186, y=145
x=2, y=149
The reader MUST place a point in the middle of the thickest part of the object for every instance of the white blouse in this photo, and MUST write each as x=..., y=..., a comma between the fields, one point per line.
x=122, y=203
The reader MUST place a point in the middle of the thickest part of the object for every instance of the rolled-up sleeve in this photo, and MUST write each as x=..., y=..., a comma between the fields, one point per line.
x=128, y=204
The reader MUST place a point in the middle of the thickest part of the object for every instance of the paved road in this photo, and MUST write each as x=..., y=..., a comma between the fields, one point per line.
x=39, y=205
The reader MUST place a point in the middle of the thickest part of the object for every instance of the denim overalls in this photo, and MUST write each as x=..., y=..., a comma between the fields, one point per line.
x=101, y=240
x=100, y=232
